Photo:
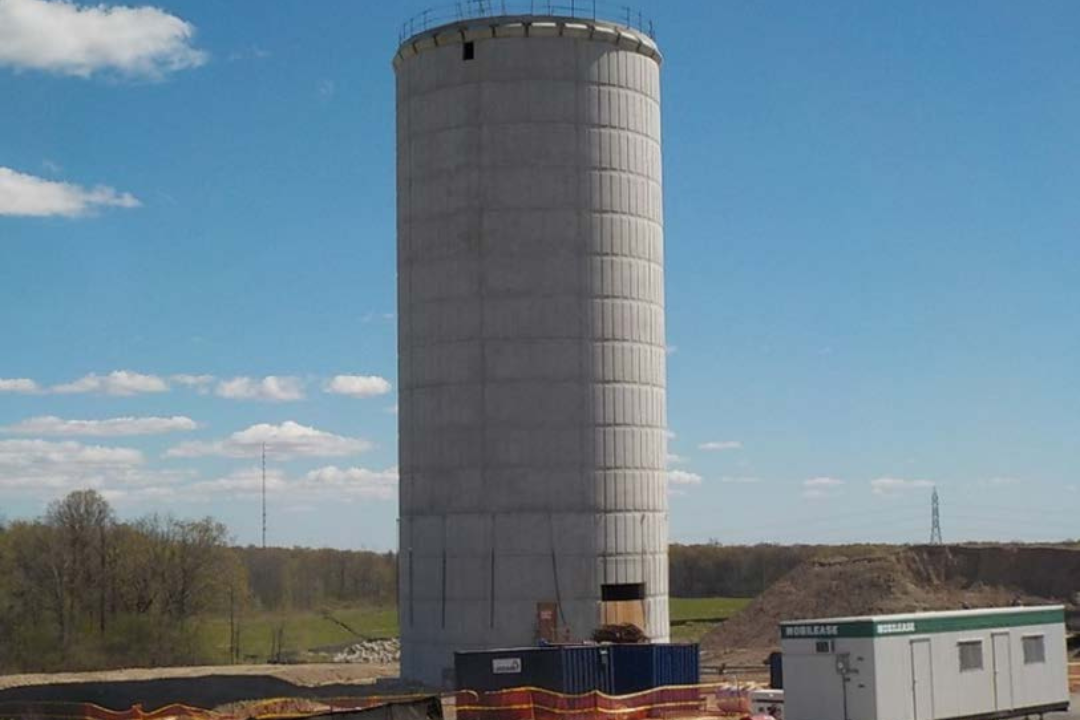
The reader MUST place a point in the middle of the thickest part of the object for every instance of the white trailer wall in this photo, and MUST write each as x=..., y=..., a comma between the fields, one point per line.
x=813, y=684
x=908, y=667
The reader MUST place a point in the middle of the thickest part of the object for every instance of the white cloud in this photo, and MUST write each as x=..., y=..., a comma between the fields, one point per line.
x=1001, y=481
x=721, y=445
x=30, y=196
x=888, y=485
x=327, y=88
x=199, y=383
x=43, y=465
x=272, y=388
x=253, y=52
x=111, y=427
x=18, y=385
x=370, y=317
x=392, y=409
x=25, y=452
x=244, y=481
x=822, y=482
x=119, y=382
x=682, y=477
x=331, y=482
x=673, y=459
x=738, y=480
x=283, y=441
x=358, y=386
x=68, y=39
x=134, y=495
x=820, y=487
x=353, y=481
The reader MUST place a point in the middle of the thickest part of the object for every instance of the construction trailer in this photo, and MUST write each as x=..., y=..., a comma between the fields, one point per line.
x=966, y=664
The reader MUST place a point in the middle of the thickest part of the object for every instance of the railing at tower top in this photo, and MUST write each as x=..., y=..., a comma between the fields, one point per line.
x=449, y=13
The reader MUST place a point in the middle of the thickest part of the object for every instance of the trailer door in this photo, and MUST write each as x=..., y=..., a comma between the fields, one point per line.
x=812, y=688
x=922, y=680
x=1002, y=658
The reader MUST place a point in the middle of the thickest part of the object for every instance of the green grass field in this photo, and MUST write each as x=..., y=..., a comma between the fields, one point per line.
x=691, y=618
x=714, y=608
x=303, y=631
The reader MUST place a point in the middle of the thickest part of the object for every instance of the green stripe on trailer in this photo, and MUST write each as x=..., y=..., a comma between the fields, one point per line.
x=918, y=625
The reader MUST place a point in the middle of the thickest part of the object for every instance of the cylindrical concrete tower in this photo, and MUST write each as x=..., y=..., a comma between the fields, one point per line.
x=530, y=336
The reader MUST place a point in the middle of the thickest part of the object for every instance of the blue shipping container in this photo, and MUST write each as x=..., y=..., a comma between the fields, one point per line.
x=579, y=669
x=587, y=668
x=643, y=667
x=570, y=669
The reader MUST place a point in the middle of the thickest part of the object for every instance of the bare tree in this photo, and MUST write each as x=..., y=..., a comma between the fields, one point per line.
x=84, y=521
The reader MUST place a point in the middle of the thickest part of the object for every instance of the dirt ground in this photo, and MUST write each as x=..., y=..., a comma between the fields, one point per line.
x=203, y=687
x=312, y=675
x=1073, y=713
x=900, y=581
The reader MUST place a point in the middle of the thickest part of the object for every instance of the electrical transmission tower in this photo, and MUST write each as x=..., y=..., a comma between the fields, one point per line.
x=935, y=519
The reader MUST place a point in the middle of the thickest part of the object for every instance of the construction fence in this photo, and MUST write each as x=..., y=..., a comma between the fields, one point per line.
x=723, y=699
x=399, y=707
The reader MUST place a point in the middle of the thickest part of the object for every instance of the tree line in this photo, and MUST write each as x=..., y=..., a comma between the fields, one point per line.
x=80, y=589
x=714, y=570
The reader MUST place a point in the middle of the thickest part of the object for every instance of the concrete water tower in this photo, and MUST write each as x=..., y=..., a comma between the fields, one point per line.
x=531, y=331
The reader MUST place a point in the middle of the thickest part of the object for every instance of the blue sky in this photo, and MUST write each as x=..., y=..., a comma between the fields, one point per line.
x=872, y=259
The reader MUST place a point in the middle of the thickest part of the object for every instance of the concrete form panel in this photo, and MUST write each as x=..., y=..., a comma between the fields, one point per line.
x=532, y=358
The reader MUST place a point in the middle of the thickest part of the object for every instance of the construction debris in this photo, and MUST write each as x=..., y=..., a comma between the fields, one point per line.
x=377, y=652
x=901, y=580
x=626, y=633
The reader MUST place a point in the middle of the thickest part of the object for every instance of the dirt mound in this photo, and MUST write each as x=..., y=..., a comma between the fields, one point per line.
x=904, y=580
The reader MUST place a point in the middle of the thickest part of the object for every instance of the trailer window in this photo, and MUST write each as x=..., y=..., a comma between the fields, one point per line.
x=1034, y=650
x=971, y=655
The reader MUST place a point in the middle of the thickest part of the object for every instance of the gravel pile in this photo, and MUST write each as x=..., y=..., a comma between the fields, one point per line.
x=899, y=581
x=380, y=652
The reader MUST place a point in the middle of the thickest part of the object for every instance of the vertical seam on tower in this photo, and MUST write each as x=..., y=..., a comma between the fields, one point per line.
x=445, y=535
x=410, y=471
x=661, y=513
x=481, y=284
x=586, y=427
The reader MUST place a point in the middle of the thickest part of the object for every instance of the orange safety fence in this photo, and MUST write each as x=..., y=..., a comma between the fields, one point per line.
x=298, y=707
x=529, y=703
x=267, y=709
x=723, y=699
x=90, y=711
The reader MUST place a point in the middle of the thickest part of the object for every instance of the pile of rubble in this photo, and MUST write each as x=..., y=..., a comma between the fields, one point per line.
x=899, y=580
x=371, y=652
